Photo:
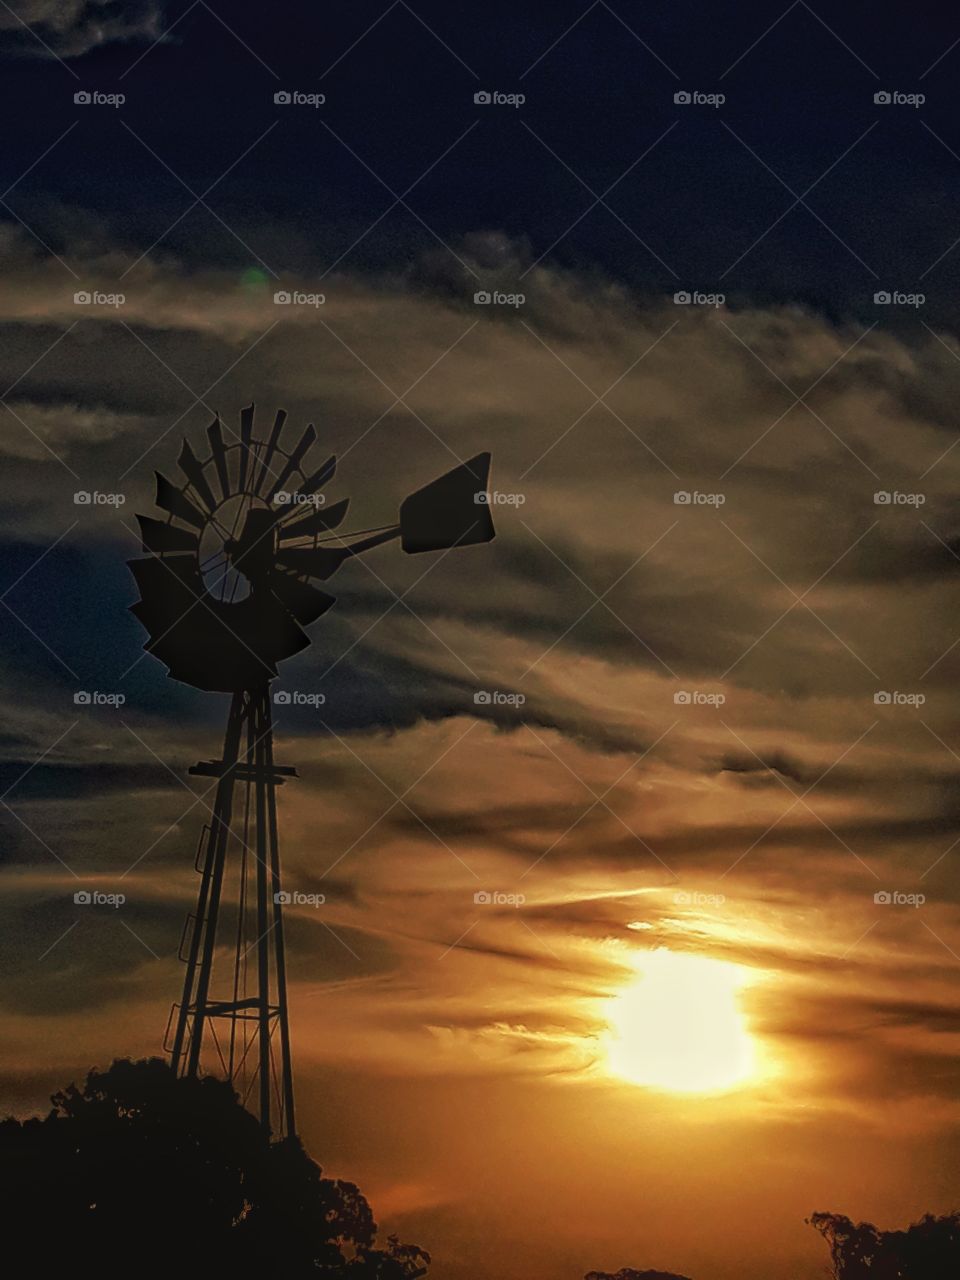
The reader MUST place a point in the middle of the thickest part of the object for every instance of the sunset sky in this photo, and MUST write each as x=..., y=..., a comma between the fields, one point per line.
x=710, y=786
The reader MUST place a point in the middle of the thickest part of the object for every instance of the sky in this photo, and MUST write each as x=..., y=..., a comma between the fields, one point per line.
x=707, y=796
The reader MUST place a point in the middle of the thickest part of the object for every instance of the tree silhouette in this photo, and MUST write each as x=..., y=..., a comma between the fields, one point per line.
x=140, y=1173
x=629, y=1273
x=927, y=1250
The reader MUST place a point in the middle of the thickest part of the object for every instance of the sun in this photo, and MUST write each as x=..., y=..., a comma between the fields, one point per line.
x=679, y=1026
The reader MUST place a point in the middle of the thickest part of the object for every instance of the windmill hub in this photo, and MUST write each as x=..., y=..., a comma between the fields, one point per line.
x=237, y=546
x=253, y=553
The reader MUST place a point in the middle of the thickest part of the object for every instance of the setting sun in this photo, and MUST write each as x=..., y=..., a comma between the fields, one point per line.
x=679, y=1026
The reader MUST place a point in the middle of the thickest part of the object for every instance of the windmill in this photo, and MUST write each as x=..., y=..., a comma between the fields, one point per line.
x=226, y=590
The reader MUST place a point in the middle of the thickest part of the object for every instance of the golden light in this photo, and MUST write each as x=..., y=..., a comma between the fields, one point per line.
x=679, y=1026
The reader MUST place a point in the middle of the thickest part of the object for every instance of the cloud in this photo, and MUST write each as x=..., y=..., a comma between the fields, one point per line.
x=601, y=796
x=71, y=28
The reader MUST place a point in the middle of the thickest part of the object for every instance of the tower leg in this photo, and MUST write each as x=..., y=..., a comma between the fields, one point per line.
x=263, y=915
x=258, y=926
x=279, y=947
x=213, y=858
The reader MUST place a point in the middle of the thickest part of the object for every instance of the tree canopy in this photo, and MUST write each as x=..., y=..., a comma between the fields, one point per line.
x=927, y=1250
x=140, y=1173
x=630, y=1273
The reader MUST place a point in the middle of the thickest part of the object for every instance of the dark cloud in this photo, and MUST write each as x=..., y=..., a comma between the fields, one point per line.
x=71, y=28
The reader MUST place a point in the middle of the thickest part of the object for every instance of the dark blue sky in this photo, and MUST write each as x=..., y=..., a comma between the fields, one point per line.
x=798, y=95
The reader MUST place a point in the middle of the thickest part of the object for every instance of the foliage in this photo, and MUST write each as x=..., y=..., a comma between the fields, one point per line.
x=927, y=1250
x=139, y=1173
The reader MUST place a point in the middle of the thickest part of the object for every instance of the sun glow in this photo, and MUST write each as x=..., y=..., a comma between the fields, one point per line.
x=679, y=1026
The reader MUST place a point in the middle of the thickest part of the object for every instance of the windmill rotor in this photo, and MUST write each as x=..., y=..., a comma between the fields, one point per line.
x=227, y=587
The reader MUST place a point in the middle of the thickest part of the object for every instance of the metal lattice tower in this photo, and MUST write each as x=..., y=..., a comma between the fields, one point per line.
x=226, y=589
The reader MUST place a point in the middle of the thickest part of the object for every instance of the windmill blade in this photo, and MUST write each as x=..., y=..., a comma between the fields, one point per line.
x=272, y=443
x=272, y=633
x=293, y=462
x=159, y=537
x=318, y=522
x=169, y=589
x=306, y=603
x=189, y=464
x=310, y=484
x=219, y=454
x=246, y=434
x=177, y=503
x=313, y=562
x=212, y=644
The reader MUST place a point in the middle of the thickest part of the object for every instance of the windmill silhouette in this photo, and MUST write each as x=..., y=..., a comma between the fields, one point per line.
x=226, y=589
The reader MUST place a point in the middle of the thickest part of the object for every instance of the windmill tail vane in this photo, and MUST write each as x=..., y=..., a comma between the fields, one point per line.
x=227, y=588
